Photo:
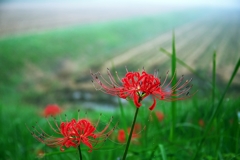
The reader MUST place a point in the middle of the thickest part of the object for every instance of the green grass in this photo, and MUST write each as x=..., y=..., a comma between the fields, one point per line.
x=18, y=142
x=217, y=139
x=215, y=110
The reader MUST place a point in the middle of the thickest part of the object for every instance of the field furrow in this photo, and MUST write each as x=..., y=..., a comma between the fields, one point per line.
x=148, y=53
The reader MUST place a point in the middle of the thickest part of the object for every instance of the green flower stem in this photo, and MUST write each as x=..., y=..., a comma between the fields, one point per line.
x=80, y=153
x=130, y=135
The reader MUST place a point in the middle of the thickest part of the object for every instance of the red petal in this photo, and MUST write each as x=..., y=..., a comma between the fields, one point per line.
x=121, y=136
x=153, y=105
x=136, y=99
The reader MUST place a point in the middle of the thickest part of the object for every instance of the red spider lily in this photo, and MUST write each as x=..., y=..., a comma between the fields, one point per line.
x=137, y=86
x=122, y=138
x=160, y=115
x=72, y=134
x=201, y=123
x=51, y=110
x=121, y=134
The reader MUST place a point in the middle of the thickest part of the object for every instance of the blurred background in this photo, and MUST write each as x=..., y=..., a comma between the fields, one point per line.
x=48, y=48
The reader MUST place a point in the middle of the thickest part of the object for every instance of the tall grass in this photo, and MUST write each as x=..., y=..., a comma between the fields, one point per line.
x=215, y=114
x=216, y=110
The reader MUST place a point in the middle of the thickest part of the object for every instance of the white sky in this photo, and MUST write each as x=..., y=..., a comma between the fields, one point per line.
x=204, y=3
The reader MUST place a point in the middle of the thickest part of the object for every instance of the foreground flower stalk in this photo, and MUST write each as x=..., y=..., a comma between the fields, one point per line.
x=72, y=134
x=80, y=153
x=130, y=135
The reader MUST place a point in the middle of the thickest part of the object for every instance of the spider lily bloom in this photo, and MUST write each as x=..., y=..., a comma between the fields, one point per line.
x=72, y=134
x=139, y=85
x=159, y=115
x=121, y=134
x=122, y=138
x=51, y=110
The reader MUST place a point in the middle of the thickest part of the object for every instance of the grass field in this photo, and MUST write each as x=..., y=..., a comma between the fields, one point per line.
x=48, y=67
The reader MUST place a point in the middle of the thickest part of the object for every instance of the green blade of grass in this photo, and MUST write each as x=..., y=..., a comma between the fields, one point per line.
x=216, y=121
x=216, y=110
x=174, y=81
x=183, y=64
x=214, y=77
x=162, y=151
x=237, y=139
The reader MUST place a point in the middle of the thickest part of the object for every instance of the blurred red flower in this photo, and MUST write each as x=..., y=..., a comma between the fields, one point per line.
x=160, y=115
x=201, y=123
x=121, y=133
x=51, y=110
x=72, y=134
x=138, y=86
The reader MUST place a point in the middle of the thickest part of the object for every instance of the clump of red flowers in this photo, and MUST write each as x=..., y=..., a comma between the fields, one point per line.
x=139, y=85
x=72, y=134
x=51, y=110
x=122, y=137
